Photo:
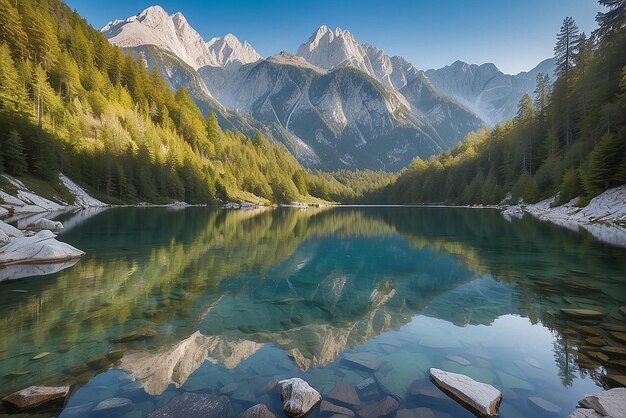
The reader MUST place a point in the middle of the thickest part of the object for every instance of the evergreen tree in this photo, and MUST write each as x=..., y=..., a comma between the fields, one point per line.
x=11, y=29
x=13, y=154
x=564, y=56
x=542, y=95
x=611, y=21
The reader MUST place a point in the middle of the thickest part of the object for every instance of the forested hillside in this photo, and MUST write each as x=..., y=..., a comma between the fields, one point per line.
x=71, y=102
x=571, y=139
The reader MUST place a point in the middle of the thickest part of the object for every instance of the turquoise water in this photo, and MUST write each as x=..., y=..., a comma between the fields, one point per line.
x=221, y=301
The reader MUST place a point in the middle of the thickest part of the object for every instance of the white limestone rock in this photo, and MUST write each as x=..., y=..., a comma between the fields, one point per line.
x=584, y=413
x=608, y=403
x=40, y=248
x=10, y=231
x=298, y=397
x=480, y=398
x=43, y=223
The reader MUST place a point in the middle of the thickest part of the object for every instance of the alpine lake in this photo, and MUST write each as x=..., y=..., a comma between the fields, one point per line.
x=206, y=300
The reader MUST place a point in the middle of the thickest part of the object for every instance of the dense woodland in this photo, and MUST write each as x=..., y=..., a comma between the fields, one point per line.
x=71, y=102
x=570, y=139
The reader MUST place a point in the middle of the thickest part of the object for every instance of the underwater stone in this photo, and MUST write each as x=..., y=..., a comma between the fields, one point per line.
x=35, y=396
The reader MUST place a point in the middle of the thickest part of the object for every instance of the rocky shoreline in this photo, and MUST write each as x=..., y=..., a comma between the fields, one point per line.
x=604, y=216
x=299, y=399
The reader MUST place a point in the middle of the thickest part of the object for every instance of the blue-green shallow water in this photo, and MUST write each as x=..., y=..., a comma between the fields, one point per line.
x=239, y=297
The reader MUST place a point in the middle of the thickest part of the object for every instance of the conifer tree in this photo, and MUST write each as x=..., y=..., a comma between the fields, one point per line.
x=611, y=21
x=542, y=95
x=564, y=55
x=13, y=154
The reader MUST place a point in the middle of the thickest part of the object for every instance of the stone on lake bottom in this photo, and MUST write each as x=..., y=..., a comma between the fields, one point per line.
x=113, y=407
x=582, y=313
x=608, y=403
x=544, y=405
x=257, y=411
x=369, y=361
x=266, y=387
x=329, y=408
x=194, y=405
x=416, y=413
x=140, y=334
x=367, y=388
x=298, y=397
x=344, y=394
x=35, y=396
x=382, y=408
x=459, y=360
x=480, y=398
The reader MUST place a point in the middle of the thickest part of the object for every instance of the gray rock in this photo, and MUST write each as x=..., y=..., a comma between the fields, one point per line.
x=41, y=247
x=257, y=411
x=380, y=409
x=329, y=408
x=544, y=405
x=416, y=413
x=584, y=413
x=194, y=405
x=367, y=388
x=113, y=407
x=480, y=398
x=609, y=403
x=368, y=361
x=43, y=223
x=139, y=334
x=298, y=397
x=4, y=238
x=344, y=394
x=35, y=396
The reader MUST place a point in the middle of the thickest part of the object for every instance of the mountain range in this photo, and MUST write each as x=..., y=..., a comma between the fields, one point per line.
x=336, y=103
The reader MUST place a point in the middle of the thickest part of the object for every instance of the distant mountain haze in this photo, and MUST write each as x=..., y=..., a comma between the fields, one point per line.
x=336, y=103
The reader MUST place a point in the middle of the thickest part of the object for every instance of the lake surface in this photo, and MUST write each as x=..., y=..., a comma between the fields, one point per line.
x=222, y=301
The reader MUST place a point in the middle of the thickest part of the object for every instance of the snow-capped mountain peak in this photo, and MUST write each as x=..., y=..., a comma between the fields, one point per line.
x=330, y=49
x=173, y=33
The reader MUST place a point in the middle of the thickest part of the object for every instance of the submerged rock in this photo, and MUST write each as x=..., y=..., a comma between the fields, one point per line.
x=113, y=407
x=344, y=394
x=194, y=405
x=480, y=398
x=583, y=313
x=544, y=405
x=368, y=361
x=298, y=397
x=380, y=409
x=608, y=403
x=329, y=408
x=35, y=396
x=416, y=413
x=257, y=411
x=41, y=247
x=139, y=334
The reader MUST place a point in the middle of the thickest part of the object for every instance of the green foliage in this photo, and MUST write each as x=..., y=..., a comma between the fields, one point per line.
x=572, y=141
x=118, y=129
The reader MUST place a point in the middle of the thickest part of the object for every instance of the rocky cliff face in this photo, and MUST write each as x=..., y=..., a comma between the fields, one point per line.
x=337, y=103
x=484, y=89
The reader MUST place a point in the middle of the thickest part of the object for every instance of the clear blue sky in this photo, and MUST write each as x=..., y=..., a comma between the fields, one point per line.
x=515, y=35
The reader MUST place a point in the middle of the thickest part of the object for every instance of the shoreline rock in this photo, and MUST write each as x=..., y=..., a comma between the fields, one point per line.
x=36, y=396
x=39, y=248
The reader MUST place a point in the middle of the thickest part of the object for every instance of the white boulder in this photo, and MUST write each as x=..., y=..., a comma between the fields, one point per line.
x=10, y=230
x=610, y=403
x=298, y=397
x=480, y=398
x=40, y=248
x=43, y=223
